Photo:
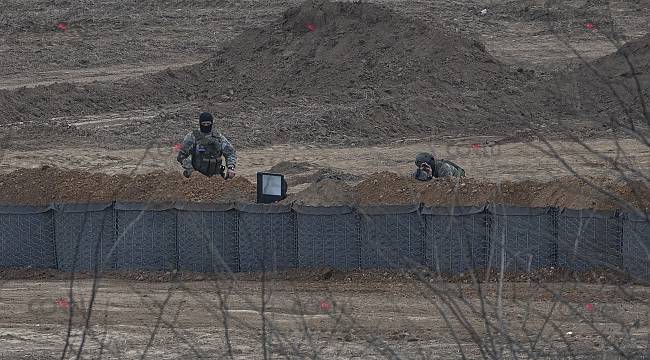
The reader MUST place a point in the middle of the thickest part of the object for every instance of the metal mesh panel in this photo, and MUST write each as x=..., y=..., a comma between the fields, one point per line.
x=27, y=240
x=146, y=240
x=636, y=248
x=328, y=240
x=587, y=241
x=207, y=241
x=267, y=241
x=392, y=240
x=457, y=243
x=529, y=242
x=84, y=239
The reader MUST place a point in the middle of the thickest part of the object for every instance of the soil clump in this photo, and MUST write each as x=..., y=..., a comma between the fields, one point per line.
x=326, y=192
x=46, y=185
x=566, y=192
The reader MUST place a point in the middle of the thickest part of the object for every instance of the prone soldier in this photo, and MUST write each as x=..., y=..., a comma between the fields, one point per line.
x=429, y=168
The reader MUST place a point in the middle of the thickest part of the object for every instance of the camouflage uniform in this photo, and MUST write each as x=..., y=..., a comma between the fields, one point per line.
x=202, y=152
x=444, y=168
x=440, y=168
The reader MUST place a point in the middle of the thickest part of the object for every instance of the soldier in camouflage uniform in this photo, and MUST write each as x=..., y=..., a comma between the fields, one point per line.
x=428, y=168
x=202, y=151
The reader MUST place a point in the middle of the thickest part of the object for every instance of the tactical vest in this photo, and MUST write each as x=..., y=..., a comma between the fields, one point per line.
x=206, y=154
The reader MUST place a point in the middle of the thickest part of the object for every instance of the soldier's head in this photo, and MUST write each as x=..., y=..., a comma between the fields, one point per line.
x=422, y=158
x=205, y=122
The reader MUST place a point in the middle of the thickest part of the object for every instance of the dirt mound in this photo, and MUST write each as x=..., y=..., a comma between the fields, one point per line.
x=45, y=185
x=327, y=192
x=306, y=173
x=323, y=174
x=327, y=72
x=327, y=48
x=388, y=73
x=291, y=167
x=611, y=89
x=389, y=188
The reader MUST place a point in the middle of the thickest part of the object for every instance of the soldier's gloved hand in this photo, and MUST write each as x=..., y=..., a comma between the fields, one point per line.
x=230, y=173
x=187, y=173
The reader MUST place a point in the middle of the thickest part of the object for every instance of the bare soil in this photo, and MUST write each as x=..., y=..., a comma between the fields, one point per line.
x=326, y=192
x=362, y=315
x=47, y=185
x=590, y=193
x=67, y=186
x=273, y=81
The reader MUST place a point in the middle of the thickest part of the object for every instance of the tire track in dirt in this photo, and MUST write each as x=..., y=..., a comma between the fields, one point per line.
x=84, y=76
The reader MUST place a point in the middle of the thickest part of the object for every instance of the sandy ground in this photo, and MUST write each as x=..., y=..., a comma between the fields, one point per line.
x=351, y=318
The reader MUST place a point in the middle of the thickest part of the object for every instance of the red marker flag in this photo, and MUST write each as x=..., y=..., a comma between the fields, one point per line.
x=589, y=26
x=324, y=305
x=62, y=304
x=62, y=26
x=310, y=27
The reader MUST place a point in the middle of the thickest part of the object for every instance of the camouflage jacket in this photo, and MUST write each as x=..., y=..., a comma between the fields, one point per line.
x=220, y=142
x=441, y=168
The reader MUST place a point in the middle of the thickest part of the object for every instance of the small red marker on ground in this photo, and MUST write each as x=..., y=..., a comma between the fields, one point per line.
x=324, y=305
x=178, y=147
x=476, y=146
x=589, y=26
x=310, y=27
x=62, y=303
x=62, y=26
x=589, y=307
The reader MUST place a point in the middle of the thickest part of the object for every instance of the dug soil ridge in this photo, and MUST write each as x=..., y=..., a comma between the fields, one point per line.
x=48, y=184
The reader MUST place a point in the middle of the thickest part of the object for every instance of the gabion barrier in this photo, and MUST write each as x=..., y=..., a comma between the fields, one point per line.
x=267, y=239
x=207, y=239
x=456, y=238
x=522, y=239
x=85, y=235
x=27, y=237
x=391, y=237
x=257, y=237
x=636, y=245
x=588, y=239
x=146, y=237
x=328, y=237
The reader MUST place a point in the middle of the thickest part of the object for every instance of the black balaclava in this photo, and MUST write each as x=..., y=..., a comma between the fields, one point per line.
x=205, y=117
